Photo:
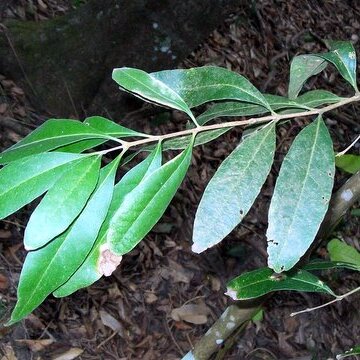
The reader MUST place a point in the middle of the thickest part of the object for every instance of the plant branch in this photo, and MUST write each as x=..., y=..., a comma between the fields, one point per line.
x=251, y=121
x=339, y=204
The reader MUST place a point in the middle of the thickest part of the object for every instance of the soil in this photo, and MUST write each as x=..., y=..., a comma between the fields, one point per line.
x=130, y=314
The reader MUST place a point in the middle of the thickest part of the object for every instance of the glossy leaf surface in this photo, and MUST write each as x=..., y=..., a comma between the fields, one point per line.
x=24, y=180
x=315, y=98
x=301, y=69
x=62, y=203
x=104, y=125
x=210, y=83
x=90, y=271
x=236, y=108
x=348, y=162
x=47, y=268
x=339, y=251
x=233, y=189
x=150, y=88
x=301, y=196
x=49, y=136
x=343, y=56
x=327, y=265
x=262, y=281
x=141, y=210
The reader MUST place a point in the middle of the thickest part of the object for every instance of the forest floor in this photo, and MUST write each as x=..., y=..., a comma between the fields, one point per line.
x=130, y=315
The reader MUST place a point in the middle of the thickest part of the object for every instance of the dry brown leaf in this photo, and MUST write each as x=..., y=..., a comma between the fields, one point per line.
x=192, y=313
x=36, y=345
x=109, y=321
x=9, y=353
x=71, y=354
x=4, y=283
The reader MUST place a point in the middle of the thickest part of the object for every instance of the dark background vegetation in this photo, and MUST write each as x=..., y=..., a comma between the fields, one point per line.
x=55, y=61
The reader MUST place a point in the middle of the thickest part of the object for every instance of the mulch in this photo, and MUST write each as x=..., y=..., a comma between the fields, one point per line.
x=130, y=315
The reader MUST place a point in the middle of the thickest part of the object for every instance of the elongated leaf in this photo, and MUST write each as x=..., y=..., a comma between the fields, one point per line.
x=262, y=281
x=209, y=83
x=141, y=210
x=326, y=265
x=315, y=98
x=236, y=108
x=149, y=88
x=343, y=56
x=301, y=196
x=348, y=162
x=233, y=189
x=104, y=125
x=24, y=180
x=52, y=134
x=63, y=202
x=339, y=251
x=201, y=138
x=91, y=271
x=302, y=68
x=353, y=351
x=47, y=268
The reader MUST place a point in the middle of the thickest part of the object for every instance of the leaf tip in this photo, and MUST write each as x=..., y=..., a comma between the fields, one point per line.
x=108, y=261
x=197, y=248
x=231, y=293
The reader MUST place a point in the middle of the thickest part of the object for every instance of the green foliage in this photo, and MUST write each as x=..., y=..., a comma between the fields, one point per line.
x=85, y=222
x=352, y=352
x=348, y=163
x=339, y=251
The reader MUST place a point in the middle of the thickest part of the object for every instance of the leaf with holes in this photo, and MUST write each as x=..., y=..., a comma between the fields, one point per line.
x=101, y=261
x=263, y=281
x=144, y=206
x=51, y=135
x=24, y=180
x=63, y=202
x=47, y=268
x=301, y=196
x=233, y=189
x=210, y=83
x=301, y=69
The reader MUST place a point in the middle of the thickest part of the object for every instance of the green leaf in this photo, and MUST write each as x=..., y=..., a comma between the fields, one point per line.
x=262, y=281
x=90, y=270
x=233, y=189
x=63, y=203
x=353, y=351
x=236, y=108
x=148, y=87
x=210, y=83
x=339, y=251
x=348, y=163
x=141, y=210
x=301, y=69
x=343, y=56
x=183, y=142
x=326, y=265
x=315, y=98
x=301, y=196
x=104, y=125
x=52, y=134
x=46, y=269
x=24, y=180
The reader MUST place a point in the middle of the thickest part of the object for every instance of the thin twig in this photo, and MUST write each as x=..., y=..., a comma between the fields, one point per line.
x=338, y=298
x=251, y=121
x=349, y=147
